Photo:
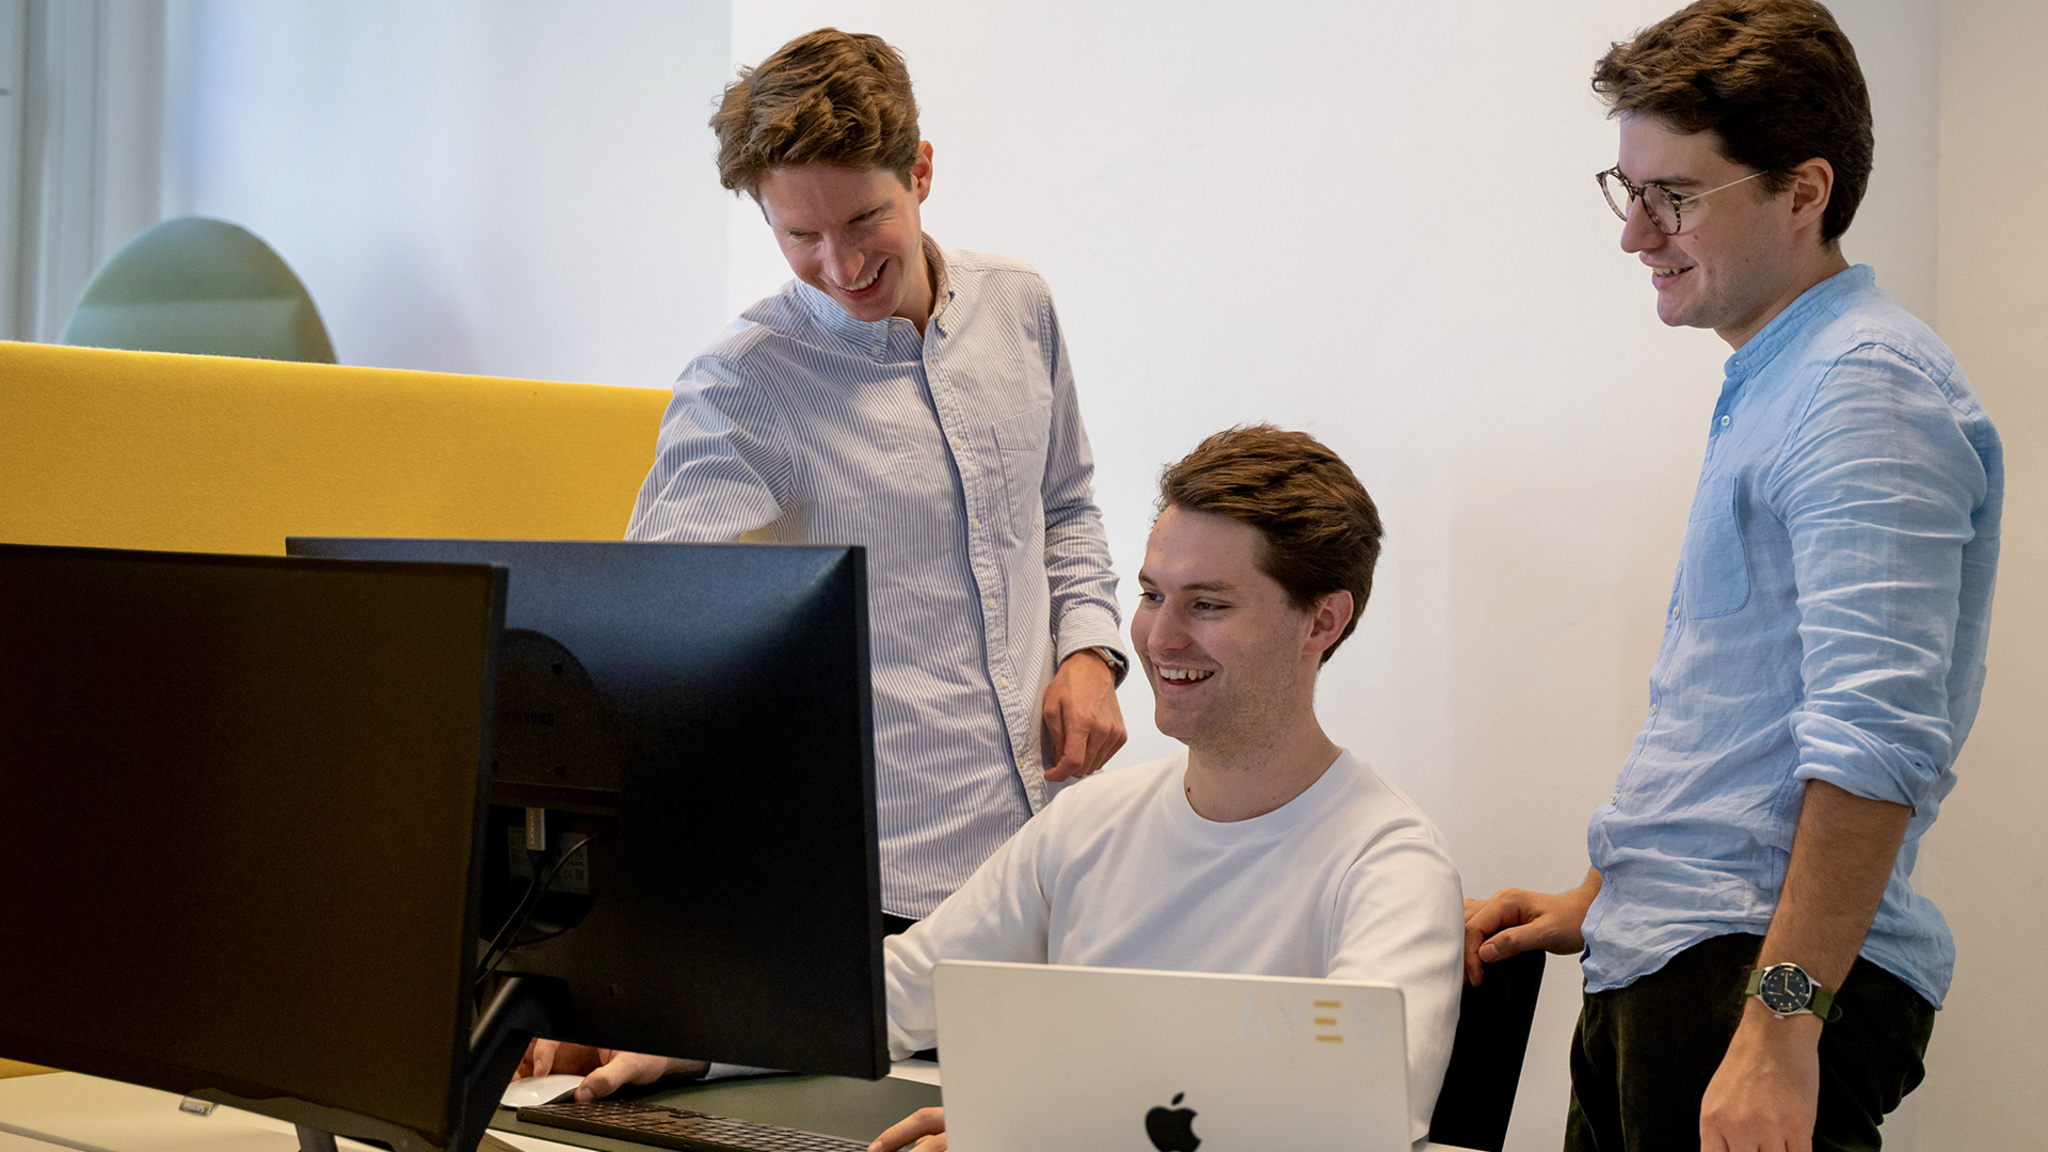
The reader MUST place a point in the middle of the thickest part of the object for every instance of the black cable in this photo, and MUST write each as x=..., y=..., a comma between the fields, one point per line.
x=530, y=941
x=520, y=909
x=494, y=955
x=529, y=903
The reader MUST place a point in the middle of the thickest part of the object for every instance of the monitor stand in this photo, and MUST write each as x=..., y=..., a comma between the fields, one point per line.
x=524, y=1007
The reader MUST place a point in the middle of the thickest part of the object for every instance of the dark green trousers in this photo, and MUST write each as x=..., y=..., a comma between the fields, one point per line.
x=1643, y=1054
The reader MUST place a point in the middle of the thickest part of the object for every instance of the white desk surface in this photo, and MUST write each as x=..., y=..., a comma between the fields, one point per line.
x=67, y=1110
x=88, y=1114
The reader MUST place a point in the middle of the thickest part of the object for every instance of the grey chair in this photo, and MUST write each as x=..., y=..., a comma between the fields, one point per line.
x=203, y=286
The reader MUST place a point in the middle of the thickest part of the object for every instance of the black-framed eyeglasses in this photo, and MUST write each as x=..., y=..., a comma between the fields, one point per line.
x=1664, y=207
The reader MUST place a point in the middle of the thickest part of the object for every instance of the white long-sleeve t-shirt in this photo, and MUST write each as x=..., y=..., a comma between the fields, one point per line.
x=1348, y=881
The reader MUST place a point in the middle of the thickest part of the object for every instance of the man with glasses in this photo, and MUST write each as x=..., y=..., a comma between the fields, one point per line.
x=1760, y=973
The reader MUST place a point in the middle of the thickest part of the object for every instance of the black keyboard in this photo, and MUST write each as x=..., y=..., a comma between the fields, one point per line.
x=675, y=1128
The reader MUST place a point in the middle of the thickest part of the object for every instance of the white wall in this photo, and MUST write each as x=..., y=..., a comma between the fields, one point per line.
x=1986, y=862
x=492, y=186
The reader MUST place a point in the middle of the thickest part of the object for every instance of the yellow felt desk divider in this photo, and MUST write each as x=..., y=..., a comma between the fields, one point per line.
x=218, y=454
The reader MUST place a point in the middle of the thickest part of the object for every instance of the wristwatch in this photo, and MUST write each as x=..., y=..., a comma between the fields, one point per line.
x=1115, y=659
x=1787, y=990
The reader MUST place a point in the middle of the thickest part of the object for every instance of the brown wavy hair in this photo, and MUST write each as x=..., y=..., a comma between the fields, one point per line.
x=1776, y=80
x=827, y=97
x=1321, y=530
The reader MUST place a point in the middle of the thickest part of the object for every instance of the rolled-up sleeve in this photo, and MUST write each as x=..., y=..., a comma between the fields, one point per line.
x=1077, y=566
x=720, y=468
x=1877, y=487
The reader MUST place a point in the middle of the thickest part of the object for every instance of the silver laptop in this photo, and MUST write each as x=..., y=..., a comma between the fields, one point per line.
x=1041, y=1056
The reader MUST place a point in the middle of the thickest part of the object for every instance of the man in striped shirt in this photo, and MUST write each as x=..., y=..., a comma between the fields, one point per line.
x=919, y=403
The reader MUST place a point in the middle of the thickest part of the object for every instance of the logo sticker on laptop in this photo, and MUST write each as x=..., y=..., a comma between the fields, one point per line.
x=1172, y=1129
x=1319, y=1020
x=1326, y=1021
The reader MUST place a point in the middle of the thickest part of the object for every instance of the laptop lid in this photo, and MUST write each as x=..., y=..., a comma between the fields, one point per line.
x=1048, y=1056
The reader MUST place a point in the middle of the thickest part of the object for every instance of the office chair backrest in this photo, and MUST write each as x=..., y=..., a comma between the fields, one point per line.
x=201, y=286
x=1478, y=1095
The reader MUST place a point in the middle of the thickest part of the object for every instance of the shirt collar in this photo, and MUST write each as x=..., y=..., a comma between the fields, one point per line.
x=942, y=281
x=1787, y=326
x=873, y=335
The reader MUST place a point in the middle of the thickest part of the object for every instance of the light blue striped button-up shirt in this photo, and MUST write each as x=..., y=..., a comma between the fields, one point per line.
x=959, y=460
x=1828, y=623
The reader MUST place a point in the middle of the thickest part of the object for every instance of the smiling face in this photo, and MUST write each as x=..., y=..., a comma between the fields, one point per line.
x=1230, y=659
x=855, y=235
x=1743, y=251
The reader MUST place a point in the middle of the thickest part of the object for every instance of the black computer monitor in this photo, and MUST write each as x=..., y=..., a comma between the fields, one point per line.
x=697, y=716
x=243, y=801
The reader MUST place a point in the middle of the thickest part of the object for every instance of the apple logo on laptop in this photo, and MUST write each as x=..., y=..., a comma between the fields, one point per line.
x=1172, y=1129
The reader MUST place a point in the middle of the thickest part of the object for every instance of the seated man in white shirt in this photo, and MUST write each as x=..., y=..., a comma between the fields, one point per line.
x=1264, y=849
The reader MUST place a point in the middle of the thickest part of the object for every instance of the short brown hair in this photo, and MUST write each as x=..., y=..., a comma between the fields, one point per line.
x=827, y=97
x=1776, y=80
x=1321, y=530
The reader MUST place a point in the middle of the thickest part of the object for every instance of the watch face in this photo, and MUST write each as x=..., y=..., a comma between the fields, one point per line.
x=1785, y=989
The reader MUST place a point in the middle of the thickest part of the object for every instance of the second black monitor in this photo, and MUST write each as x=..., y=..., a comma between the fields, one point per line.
x=702, y=713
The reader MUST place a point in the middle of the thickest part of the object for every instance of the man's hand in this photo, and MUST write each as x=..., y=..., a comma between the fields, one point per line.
x=922, y=1131
x=1763, y=1097
x=1766, y=1093
x=1517, y=921
x=1082, y=721
x=604, y=1070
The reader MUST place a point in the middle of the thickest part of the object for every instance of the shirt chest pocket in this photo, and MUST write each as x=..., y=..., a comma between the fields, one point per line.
x=1715, y=567
x=1021, y=443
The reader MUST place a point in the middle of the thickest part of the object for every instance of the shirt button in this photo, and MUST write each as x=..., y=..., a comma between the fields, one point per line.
x=959, y=443
x=1727, y=420
x=1674, y=611
x=1653, y=709
x=974, y=520
x=1002, y=681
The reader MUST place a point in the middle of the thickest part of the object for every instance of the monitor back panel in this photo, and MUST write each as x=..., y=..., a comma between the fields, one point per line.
x=735, y=913
x=242, y=805
x=1047, y=1056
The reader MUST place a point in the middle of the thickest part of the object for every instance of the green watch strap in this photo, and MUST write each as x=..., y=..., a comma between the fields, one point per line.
x=1823, y=1005
x=1819, y=1001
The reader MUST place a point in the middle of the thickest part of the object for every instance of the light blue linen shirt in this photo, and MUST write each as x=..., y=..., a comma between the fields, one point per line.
x=1828, y=623
x=959, y=460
